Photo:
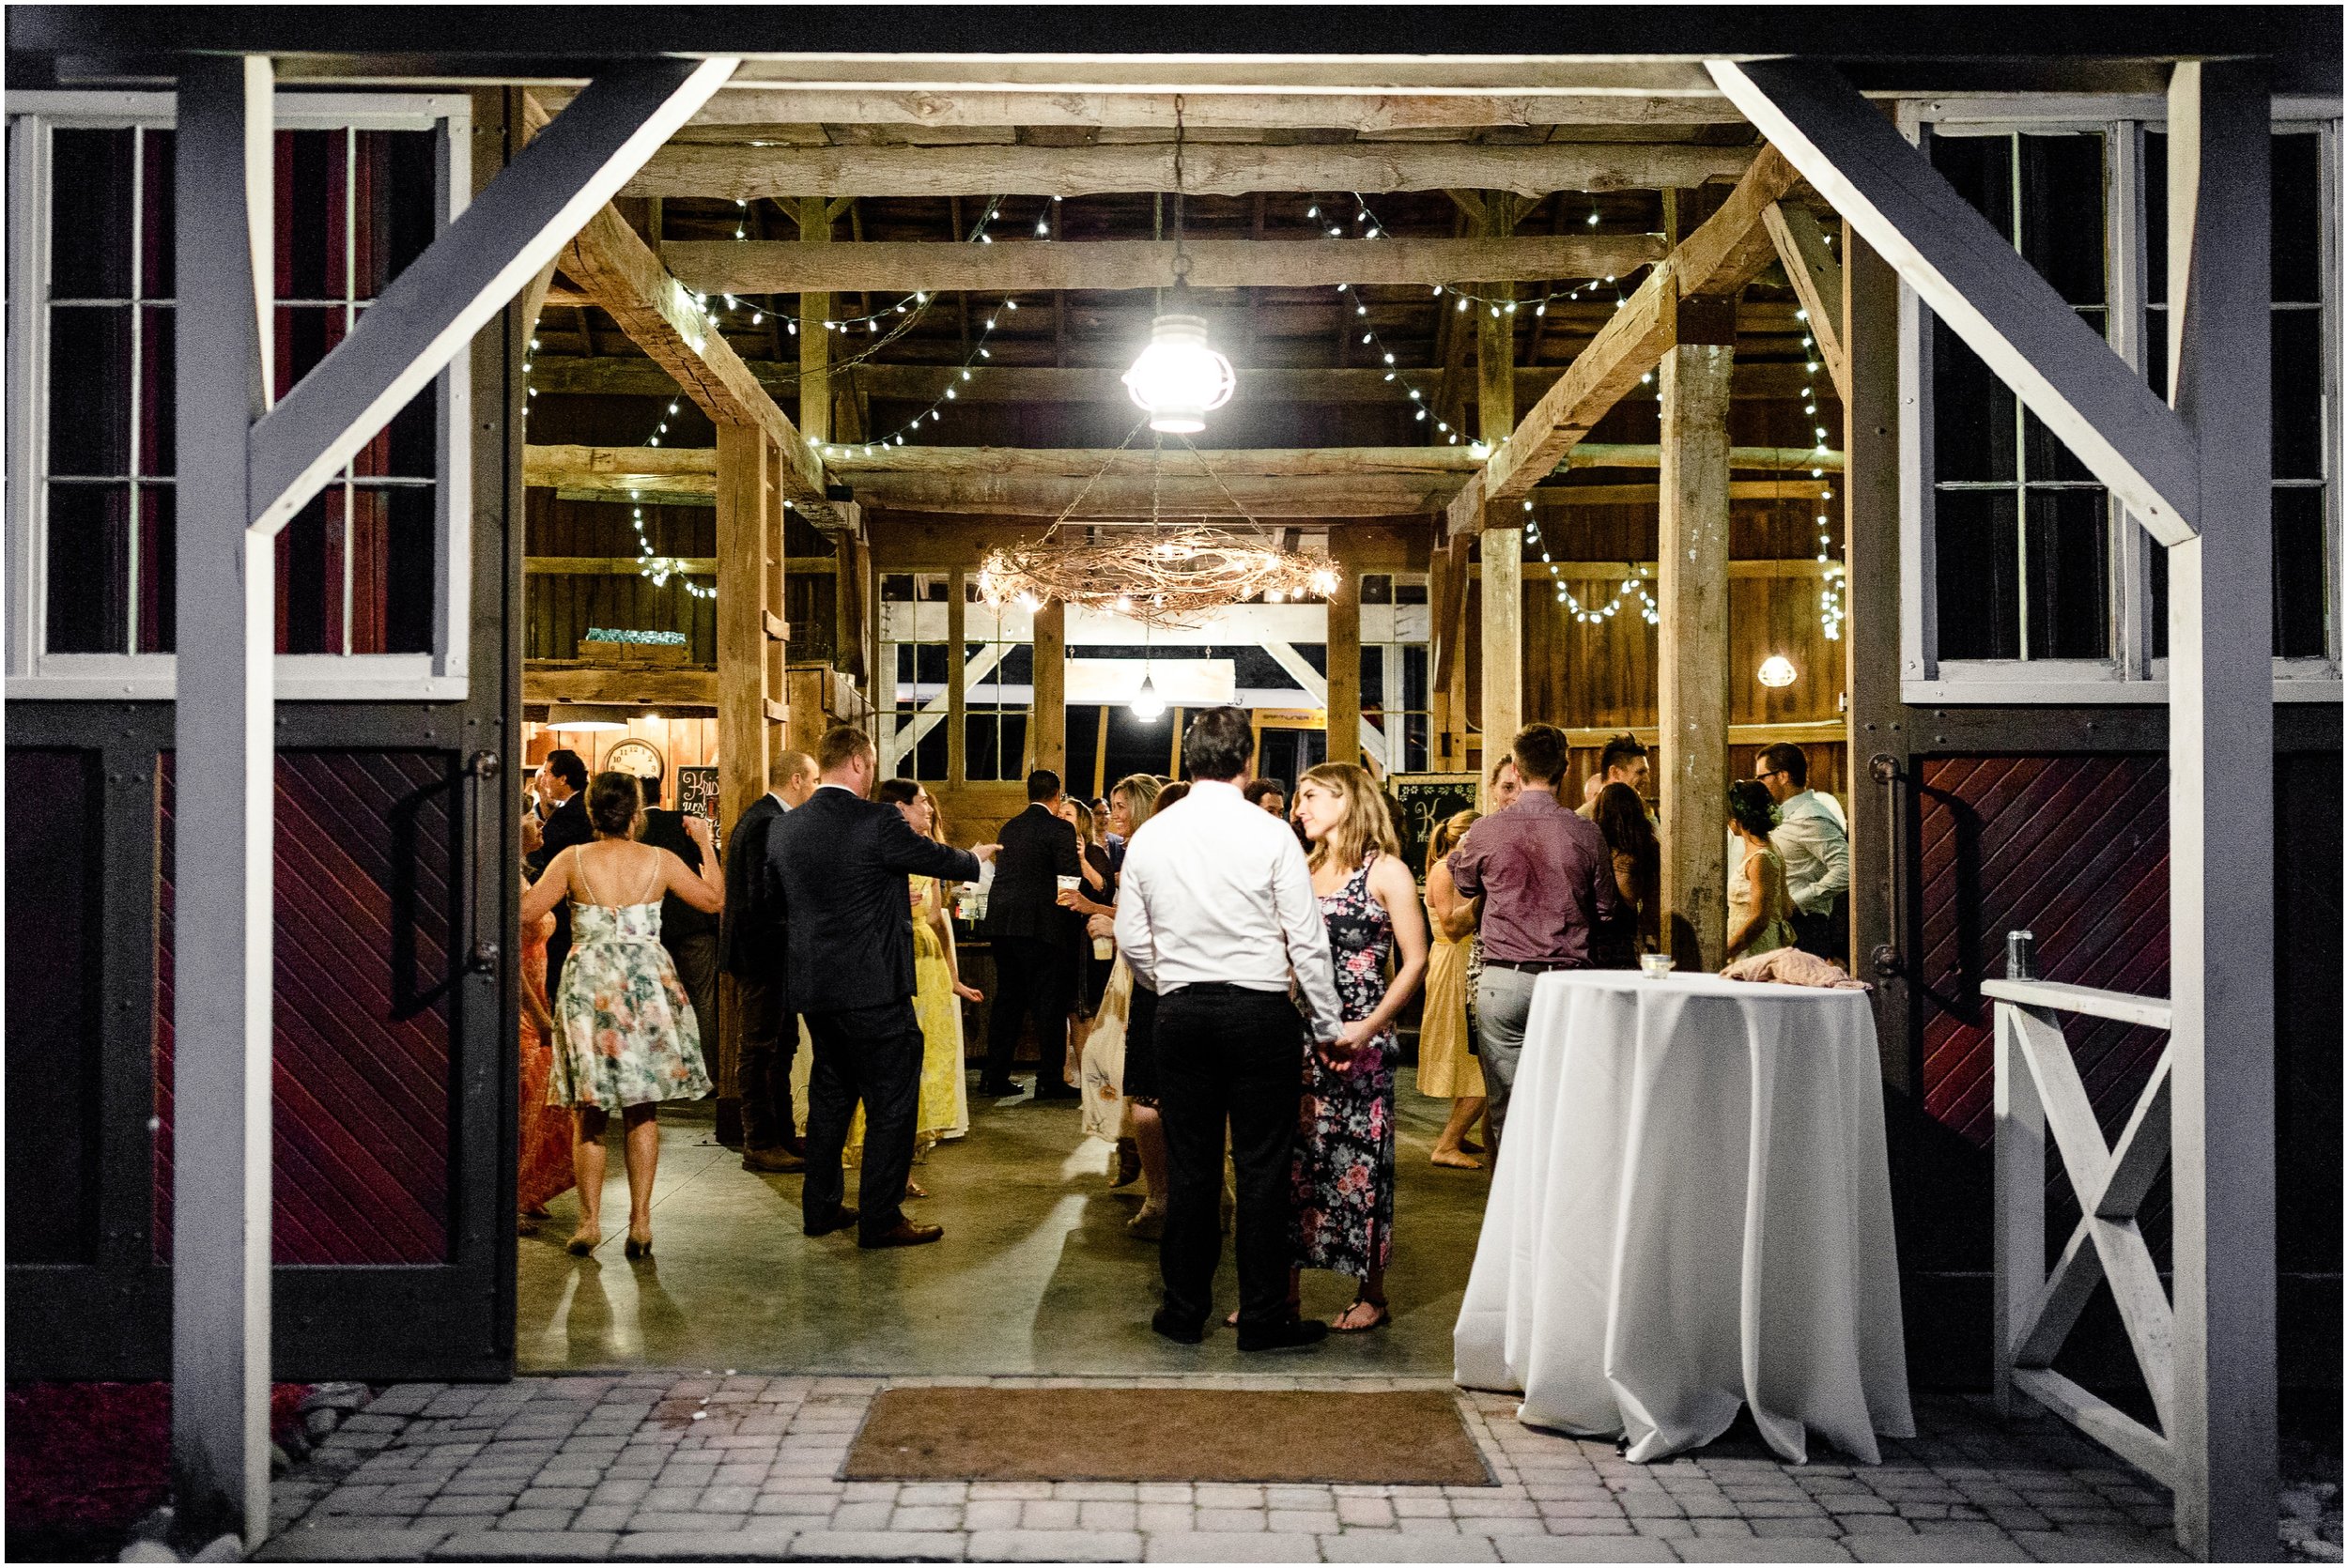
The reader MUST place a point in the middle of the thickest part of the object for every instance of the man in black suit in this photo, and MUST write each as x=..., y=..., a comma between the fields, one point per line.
x=561, y=823
x=689, y=934
x=753, y=954
x=1028, y=931
x=838, y=866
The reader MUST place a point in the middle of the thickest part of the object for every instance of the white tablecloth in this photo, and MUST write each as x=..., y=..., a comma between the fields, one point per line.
x=1691, y=1212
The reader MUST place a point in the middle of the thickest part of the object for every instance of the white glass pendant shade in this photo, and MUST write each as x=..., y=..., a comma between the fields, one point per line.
x=586, y=718
x=1777, y=671
x=1180, y=379
x=1148, y=705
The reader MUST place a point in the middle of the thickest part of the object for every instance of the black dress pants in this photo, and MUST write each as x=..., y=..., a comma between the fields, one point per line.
x=1031, y=976
x=770, y=1038
x=1826, y=936
x=1224, y=1052
x=872, y=1054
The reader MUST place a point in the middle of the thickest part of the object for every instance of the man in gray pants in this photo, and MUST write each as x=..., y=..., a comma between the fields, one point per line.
x=1547, y=879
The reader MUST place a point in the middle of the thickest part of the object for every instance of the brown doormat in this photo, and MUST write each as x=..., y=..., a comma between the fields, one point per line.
x=1160, y=1434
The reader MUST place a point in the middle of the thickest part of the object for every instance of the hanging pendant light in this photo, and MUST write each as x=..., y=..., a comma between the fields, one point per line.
x=1180, y=379
x=1147, y=706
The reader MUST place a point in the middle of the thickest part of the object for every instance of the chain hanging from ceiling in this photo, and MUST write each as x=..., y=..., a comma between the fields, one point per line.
x=1161, y=570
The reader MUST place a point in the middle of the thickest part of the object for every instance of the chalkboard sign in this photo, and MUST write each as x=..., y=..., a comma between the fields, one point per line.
x=1422, y=801
x=697, y=792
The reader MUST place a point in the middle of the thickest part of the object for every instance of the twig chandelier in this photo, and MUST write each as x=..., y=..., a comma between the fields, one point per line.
x=1159, y=573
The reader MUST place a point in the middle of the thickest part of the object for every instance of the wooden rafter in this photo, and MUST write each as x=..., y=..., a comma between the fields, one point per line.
x=783, y=267
x=1209, y=169
x=1818, y=279
x=1717, y=259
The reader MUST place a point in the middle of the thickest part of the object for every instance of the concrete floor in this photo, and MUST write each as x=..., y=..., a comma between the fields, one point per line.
x=1036, y=1273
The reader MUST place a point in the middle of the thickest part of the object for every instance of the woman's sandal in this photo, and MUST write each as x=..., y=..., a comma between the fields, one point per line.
x=1339, y=1325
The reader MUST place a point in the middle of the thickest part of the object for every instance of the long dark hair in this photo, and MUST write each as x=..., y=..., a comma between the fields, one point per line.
x=1621, y=815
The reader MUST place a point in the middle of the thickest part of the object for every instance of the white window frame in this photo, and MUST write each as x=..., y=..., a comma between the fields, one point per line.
x=2129, y=675
x=33, y=671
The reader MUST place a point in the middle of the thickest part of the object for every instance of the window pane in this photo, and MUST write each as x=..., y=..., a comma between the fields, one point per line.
x=1374, y=676
x=2159, y=616
x=1972, y=414
x=395, y=560
x=89, y=214
x=408, y=447
x=2156, y=217
x=2299, y=393
x=2299, y=572
x=1976, y=557
x=312, y=214
x=89, y=568
x=2063, y=213
x=395, y=197
x=158, y=345
x=304, y=336
x=1414, y=678
x=930, y=664
x=1981, y=169
x=1018, y=666
x=1410, y=594
x=157, y=245
x=1014, y=748
x=2298, y=218
x=2069, y=580
x=159, y=573
x=979, y=757
x=309, y=569
x=90, y=390
x=2157, y=352
x=896, y=587
x=1377, y=588
x=929, y=754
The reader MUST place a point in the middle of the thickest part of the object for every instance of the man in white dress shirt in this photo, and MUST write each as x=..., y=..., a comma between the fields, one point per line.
x=1217, y=914
x=1814, y=840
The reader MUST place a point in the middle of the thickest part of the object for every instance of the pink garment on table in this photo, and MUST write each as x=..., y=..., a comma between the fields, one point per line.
x=1791, y=967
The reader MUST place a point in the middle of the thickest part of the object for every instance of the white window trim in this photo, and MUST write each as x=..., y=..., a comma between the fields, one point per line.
x=2130, y=675
x=33, y=672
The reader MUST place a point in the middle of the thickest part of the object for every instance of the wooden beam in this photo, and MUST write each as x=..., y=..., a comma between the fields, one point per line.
x=652, y=685
x=1717, y=259
x=1692, y=659
x=815, y=346
x=1973, y=280
x=1047, y=713
x=1341, y=697
x=1818, y=279
x=1208, y=168
x=631, y=376
x=1032, y=265
x=775, y=110
x=611, y=261
x=1503, y=544
x=610, y=565
x=957, y=682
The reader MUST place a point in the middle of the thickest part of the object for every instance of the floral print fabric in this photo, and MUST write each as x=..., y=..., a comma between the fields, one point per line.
x=1343, y=1173
x=629, y=1035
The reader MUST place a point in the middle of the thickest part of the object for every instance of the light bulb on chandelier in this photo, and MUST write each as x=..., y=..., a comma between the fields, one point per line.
x=1147, y=706
x=1180, y=379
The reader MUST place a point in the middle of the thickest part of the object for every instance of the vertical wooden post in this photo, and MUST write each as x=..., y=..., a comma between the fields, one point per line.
x=2221, y=845
x=815, y=337
x=1343, y=709
x=746, y=524
x=1502, y=624
x=225, y=808
x=1871, y=634
x=1101, y=754
x=1047, y=711
x=957, y=680
x=2017, y=1203
x=1692, y=554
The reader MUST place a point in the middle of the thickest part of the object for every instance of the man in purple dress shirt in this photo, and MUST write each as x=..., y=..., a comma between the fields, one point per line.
x=1548, y=880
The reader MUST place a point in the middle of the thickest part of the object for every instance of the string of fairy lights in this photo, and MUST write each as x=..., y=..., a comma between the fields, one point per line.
x=885, y=323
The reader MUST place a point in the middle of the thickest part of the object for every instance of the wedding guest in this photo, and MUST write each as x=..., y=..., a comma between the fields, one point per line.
x=1813, y=838
x=1270, y=794
x=629, y=1036
x=1547, y=879
x=1760, y=915
x=1344, y=1162
x=1170, y=792
x=560, y=786
x=1028, y=931
x=838, y=866
x=690, y=936
x=1142, y=1153
x=545, y=1129
x=1503, y=784
x=942, y=1106
x=1097, y=883
x=1623, y=761
x=1638, y=865
x=1446, y=1065
x=1216, y=913
x=752, y=946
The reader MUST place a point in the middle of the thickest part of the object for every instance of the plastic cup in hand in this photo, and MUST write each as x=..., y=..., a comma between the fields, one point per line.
x=1102, y=948
x=1070, y=885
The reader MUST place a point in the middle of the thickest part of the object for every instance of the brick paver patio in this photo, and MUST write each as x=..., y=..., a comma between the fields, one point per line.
x=652, y=1466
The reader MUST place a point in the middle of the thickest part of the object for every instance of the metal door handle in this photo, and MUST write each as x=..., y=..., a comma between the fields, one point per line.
x=1886, y=961
x=481, y=954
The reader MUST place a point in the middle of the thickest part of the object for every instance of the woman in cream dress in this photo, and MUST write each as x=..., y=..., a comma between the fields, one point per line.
x=1447, y=1069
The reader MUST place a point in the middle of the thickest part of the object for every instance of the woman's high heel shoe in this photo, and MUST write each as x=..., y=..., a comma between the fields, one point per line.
x=584, y=1241
x=635, y=1249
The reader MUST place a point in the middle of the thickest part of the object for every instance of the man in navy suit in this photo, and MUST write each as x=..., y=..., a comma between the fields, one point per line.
x=837, y=869
x=754, y=955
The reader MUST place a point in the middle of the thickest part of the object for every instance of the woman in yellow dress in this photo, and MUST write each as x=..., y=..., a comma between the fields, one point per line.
x=1446, y=1070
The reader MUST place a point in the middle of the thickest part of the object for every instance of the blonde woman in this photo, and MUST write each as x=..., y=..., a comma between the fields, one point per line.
x=1447, y=1069
x=1343, y=1173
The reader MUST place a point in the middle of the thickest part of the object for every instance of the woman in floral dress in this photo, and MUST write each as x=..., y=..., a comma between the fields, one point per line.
x=1344, y=1169
x=627, y=1037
